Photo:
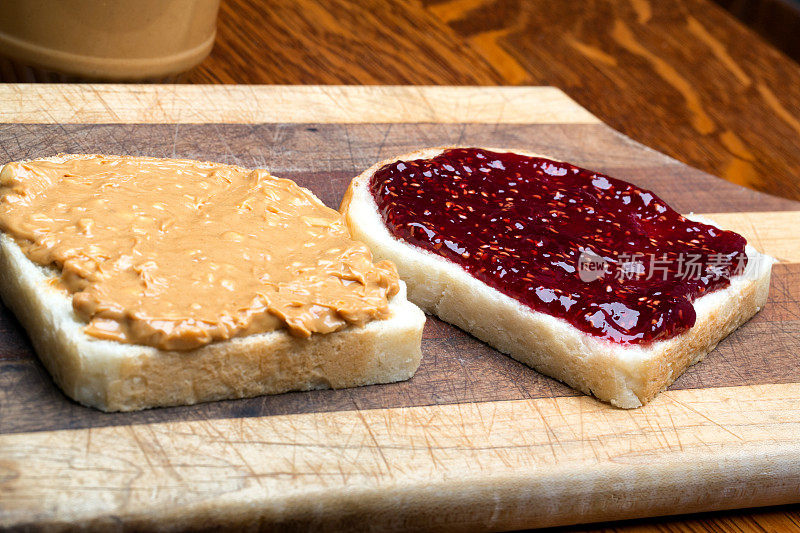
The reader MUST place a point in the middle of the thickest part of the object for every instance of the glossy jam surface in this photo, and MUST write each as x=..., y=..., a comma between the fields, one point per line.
x=609, y=257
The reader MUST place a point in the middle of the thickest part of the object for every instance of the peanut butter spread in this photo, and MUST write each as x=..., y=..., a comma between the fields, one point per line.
x=177, y=254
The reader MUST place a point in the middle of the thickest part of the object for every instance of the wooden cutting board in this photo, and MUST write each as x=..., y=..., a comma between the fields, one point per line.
x=475, y=439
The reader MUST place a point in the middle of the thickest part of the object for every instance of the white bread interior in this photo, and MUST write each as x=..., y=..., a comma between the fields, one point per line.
x=627, y=376
x=113, y=376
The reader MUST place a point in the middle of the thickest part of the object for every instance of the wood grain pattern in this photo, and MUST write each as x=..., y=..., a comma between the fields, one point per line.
x=497, y=465
x=175, y=104
x=475, y=440
x=682, y=76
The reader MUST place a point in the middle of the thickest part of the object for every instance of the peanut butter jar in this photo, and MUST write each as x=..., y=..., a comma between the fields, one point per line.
x=109, y=40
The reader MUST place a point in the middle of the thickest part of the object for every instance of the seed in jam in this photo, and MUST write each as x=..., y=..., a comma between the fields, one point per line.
x=612, y=259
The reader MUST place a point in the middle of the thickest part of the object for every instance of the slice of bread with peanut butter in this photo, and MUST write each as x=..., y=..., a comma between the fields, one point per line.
x=146, y=282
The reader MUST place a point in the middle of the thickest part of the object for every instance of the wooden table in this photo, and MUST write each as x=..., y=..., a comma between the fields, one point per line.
x=681, y=76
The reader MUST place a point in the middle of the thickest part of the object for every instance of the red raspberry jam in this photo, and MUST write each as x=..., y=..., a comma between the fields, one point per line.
x=612, y=259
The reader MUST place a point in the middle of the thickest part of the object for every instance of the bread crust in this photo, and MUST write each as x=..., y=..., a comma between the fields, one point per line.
x=113, y=376
x=625, y=376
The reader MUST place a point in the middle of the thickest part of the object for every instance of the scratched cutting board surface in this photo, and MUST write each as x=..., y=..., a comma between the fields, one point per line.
x=404, y=453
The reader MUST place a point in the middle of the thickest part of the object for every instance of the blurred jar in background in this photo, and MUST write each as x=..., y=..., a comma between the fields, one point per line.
x=106, y=40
